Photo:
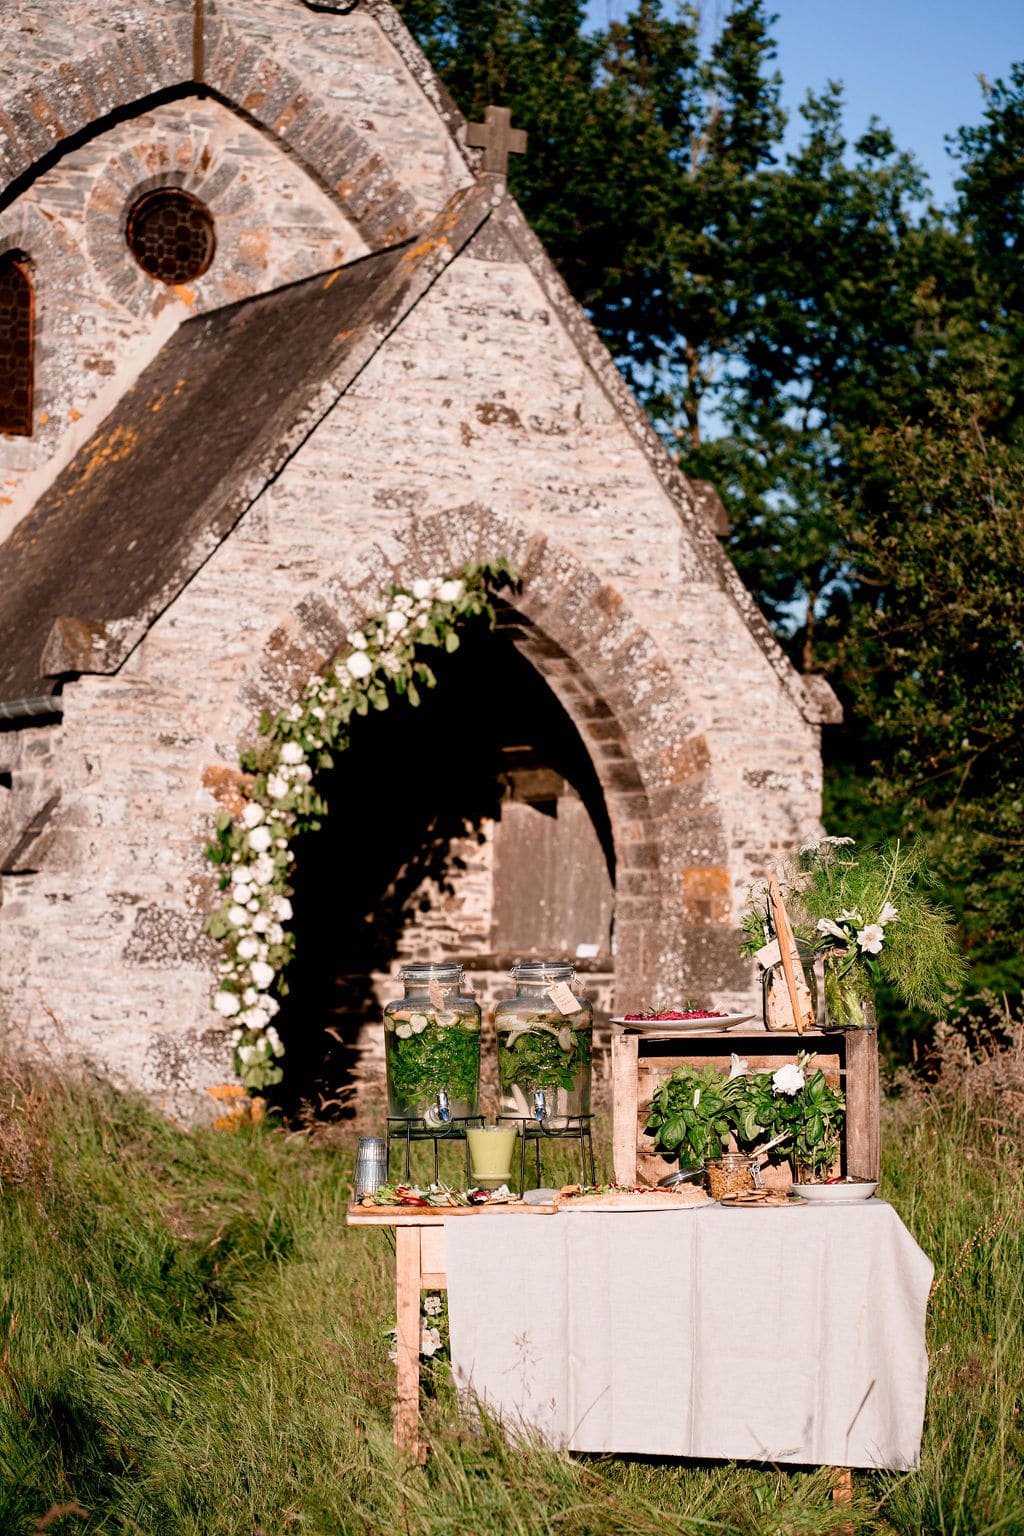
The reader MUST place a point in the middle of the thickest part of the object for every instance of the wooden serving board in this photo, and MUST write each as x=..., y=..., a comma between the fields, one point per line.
x=434, y=1215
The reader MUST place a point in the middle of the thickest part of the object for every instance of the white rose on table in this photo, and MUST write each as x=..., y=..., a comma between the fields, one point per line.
x=359, y=664
x=260, y=839
x=788, y=1079
x=226, y=1004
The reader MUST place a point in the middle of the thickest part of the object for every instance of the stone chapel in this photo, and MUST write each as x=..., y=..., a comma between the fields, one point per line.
x=274, y=336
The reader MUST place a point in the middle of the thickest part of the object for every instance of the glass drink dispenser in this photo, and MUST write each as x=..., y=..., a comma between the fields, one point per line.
x=545, y=1033
x=432, y=1047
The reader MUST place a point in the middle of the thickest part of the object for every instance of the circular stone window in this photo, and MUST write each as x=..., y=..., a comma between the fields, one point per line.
x=170, y=233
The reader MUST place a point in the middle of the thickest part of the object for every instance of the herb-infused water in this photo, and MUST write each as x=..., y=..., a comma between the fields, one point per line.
x=545, y=1035
x=432, y=1046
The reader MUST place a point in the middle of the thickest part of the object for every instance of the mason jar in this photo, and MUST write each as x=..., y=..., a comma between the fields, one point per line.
x=432, y=1046
x=544, y=1045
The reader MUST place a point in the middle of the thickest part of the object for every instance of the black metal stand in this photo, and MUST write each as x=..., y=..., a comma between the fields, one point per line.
x=407, y=1131
x=566, y=1128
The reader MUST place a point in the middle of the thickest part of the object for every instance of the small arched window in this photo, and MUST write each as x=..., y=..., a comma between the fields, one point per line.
x=16, y=346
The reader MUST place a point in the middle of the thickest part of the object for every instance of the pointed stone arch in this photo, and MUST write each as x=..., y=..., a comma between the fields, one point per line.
x=675, y=924
x=157, y=58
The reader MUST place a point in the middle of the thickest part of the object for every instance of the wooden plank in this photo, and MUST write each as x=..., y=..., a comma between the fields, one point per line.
x=407, y=1309
x=863, y=1139
x=432, y=1253
x=624, y=1106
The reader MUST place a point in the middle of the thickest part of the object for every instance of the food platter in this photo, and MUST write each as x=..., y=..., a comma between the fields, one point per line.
x=718, y=1023
x=852, y=1193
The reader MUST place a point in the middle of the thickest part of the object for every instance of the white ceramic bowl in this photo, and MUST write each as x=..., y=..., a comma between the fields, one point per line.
x=836, y=1194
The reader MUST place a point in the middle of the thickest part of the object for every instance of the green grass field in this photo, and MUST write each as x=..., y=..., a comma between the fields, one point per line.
x=193, y=1344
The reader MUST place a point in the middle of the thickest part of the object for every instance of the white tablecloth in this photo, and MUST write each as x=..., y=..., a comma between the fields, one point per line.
x=786, y=1335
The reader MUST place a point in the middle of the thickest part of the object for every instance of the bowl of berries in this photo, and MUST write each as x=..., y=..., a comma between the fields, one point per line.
x=680, y=1021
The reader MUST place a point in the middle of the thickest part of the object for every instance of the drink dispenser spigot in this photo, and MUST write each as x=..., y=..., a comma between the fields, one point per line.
x=432, y=1047
x=540, y=1105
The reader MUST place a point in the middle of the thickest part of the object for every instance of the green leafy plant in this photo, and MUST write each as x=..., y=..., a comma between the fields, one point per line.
x=693, y=1112
x=798, y=1104
x=535, y=1053
x=440, y=1056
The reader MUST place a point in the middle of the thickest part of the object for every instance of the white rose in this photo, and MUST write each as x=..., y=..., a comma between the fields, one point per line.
x=252, y=905
x=450, y=591
x=403, y=602
x=871, y=938
x=359, y=664
x=238, y=917
x=395, y=621
x=257, y=1018
x=264, y=869
x=242, y=892
x=260, y=839
x=262, y=974
x=249, y=996
x=275, y=934
x=248, y=948
x=295, y=714
x=277, y=787
x=291, y=752
x=252, y=815
x=422, y=589
x=226, y=1004
x=283, y=908
x=357, y=640
x=304, y=773
x=272, y=1005
x=261, y=922
x=317, y=712
x=788, y=1079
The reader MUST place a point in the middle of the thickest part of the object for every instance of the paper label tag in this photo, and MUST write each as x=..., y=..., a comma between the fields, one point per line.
x=770, y=955
x=561, y=995
x=436, y=995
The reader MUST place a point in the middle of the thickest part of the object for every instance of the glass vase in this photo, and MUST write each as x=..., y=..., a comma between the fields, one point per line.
x=849, y=996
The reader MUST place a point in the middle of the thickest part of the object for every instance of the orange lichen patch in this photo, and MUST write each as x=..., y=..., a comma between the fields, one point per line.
x=424, y=249
x=121, y=442
x=75, y=415
x=227, y=786
x=44, y=417
x=186, y=295
x=707, y=896
x=239, y=1109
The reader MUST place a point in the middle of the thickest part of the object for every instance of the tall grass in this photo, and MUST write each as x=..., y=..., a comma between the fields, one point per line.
x=193, y=1344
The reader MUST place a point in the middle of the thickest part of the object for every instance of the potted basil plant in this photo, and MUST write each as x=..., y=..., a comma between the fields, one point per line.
x=692, y=1113
x=801, y=1106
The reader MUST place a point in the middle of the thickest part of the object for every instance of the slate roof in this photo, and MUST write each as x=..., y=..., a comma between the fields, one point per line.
x=188, y=448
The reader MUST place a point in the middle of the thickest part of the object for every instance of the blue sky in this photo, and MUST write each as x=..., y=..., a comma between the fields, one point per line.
x=912, y=63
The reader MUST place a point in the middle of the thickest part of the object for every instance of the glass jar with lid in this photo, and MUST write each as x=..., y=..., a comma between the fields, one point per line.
x=432, y=1046
x=545, y=1036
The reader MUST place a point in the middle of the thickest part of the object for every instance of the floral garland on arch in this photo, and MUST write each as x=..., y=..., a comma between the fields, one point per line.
x=253, y=849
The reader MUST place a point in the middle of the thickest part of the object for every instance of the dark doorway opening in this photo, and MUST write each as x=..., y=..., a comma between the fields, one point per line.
x=473, y=826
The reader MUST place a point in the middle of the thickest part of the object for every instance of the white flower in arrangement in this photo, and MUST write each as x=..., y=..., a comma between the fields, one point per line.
x=242, y=891
x=788, y=1079
x=283, y=908
x=359, y=664
x=317, y=712
x=291, y=752
x=852, y=916
x=256, y=1018
x=432, y=1306
x=871, y=938
x=275, y=934
x=250, y=996
x=261, y=922
x=295, y=713
x=826, y=925
x=277, y=787
x=248, y=948
x=430, y=1341
x=253, y=904
x=281, y=842
x=403, y=602
x=422, y=589
x=252, y=815
x=450, y=591
x=238, y=917
x=264, y=869
x=395, y=621
x=392, y=664
x=226, y=1004
x=357, y=640
x=274, y=1040
x=888, y=914
x=304, y=773
x=262, y=974
x=738, y=1066
x=260, y=839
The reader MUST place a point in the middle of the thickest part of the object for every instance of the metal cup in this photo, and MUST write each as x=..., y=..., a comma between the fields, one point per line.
x=371, y=1170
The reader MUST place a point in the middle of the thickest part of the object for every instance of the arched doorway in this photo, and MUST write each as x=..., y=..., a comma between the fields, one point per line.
x=473, y=827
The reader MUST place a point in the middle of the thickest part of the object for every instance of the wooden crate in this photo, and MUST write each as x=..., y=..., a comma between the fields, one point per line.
x=640, y=1061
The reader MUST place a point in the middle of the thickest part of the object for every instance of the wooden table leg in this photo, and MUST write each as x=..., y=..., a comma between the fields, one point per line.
x=625, y=1060
x=407, y=1309
x=842, y=1498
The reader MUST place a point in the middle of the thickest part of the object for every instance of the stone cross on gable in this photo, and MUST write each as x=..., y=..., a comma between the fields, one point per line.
x=497, y=138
